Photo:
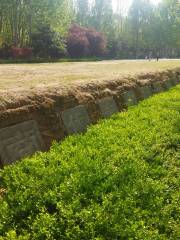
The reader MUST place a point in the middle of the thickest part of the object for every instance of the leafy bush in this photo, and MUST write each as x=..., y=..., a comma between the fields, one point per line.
x=97, y=43
x=47, y=43
x=5, y=52
x=78, y=45
x=85, y=42
x=118, y=181
x=8, y=52
x=22, y=53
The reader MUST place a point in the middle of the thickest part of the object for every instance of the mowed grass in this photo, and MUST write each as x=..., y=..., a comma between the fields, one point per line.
x=32, y=76
x=120, y=180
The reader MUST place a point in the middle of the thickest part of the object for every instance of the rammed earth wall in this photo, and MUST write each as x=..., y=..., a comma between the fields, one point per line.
x=31, y=125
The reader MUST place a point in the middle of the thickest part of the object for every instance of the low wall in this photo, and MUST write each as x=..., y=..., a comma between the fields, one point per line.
x=30, y=126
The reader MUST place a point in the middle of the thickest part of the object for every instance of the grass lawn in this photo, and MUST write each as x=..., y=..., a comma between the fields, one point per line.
x=120, y=180
x=44, y=75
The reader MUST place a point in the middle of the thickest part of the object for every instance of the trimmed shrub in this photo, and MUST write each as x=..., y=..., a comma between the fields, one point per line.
x=85, y=42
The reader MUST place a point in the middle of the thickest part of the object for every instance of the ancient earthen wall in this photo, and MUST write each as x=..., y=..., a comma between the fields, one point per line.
x=28, y=127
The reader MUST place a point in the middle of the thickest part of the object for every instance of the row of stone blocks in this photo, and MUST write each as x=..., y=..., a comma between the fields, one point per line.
x=24, y=139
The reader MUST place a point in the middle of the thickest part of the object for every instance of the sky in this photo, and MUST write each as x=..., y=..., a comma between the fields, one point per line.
x=127, y=3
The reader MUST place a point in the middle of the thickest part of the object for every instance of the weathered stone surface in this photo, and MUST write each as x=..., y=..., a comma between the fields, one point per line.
x=129, y=98
x=45, y=106
x=146, y=91
x=76, y=119
x=18, y=141
x=107, y=106
x=168, y=84
x=174, y=81
x=157, y=87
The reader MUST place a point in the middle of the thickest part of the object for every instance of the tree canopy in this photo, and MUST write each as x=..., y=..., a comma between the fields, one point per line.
x=144, y=28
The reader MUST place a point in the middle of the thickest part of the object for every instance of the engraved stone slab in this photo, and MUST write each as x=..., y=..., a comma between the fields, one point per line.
x=107, y=106
x=177, y=78
x=76, y=119
x=157, y=87
x=129, y=98
x=146, y=91
x=175, y=81
x=168, y=84
x=18, y=141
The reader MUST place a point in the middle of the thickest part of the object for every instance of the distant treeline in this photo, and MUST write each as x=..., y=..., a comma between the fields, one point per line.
x=85, y=28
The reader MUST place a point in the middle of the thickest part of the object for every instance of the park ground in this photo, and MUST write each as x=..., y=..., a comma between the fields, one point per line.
x=22, y=83
x=27, y=77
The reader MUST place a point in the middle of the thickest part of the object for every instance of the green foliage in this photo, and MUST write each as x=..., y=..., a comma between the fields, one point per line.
x=135, y=33
x=120, y=180
x=20, y=19
x=47, y=43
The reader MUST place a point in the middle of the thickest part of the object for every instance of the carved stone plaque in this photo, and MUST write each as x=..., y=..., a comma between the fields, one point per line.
x=129, y=98
x=18, y=141
x=175, y=81
x=76, y=119
x=107, y=106
x=168, y=84
x=146, y=91
x=157, y=87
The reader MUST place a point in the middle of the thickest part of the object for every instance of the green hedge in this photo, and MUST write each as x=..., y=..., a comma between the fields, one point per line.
x=118, y=181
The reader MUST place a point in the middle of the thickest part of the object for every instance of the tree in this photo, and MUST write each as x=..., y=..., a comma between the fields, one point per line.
x=20, y=18
x=130, y=34
x=102, y=15
x=82, y=7
x=169, y=19
x=135, y=24
x=47, y=43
